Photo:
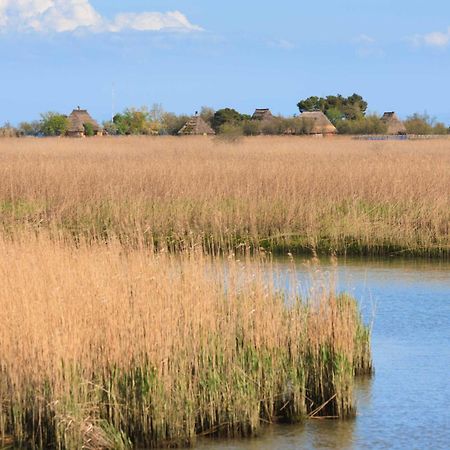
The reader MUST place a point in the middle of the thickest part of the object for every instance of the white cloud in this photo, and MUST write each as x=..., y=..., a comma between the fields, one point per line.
x=71, y=15
x=151, y=21
x=437, y=39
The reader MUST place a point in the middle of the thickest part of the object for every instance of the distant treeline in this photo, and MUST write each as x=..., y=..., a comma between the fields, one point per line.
x=347, y=114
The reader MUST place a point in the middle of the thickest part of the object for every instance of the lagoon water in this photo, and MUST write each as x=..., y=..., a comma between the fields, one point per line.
x=406, y=404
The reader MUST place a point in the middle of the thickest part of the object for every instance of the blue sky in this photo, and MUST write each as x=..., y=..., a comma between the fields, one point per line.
x=57, y=54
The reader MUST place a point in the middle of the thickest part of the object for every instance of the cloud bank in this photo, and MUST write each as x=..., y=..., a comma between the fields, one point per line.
x=71, y=15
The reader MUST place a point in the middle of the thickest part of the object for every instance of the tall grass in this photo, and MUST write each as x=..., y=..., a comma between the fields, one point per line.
x=104, y=346
x=110, y=340
x=299, y=194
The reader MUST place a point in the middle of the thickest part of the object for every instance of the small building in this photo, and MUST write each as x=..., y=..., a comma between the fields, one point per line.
x=79, y=121
x=320, y=124
x=262, y=114
x=196, y=126
x=394, y=124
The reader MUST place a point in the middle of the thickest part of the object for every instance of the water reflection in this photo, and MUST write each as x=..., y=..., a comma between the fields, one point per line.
x=317, y=434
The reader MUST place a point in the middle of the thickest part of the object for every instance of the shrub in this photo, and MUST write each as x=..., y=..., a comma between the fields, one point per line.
x=110, y=128
x=274, y=126
x=136, y=121
x=230, y=132
x=440, y=128
x=419, y=124
x=278, y=126
x=54, y=124
x=302, y=125
x=89, y=129
x=29, y=128
x=7, y=130
x=251, y=127
x=171, y=123
x=371, y=124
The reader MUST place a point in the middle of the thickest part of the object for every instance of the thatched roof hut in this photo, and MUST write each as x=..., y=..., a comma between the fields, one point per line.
x=394, y=124
x=262, y=114
x=78, y=119
x=196, y=126
x=320, y=124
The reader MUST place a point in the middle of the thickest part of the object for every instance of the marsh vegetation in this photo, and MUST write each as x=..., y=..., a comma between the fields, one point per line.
x=284, y=194
x=104, y=348
x=141, y=305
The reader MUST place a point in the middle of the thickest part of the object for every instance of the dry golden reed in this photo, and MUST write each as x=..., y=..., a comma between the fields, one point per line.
x=110, y=340
x=330, y=195
x=108, y=347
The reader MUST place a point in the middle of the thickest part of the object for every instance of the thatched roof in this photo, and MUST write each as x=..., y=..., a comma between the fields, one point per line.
x=262, y=114
x=196, y=126
x=394, y=124
x=319, y=122
x=79, y=117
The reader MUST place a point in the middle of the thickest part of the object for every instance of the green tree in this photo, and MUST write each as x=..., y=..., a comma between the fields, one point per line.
x=137, y=120
x=334, y=114
x=121, y=124
x=54, y=124
x=336, y=107
x=354, y=107
x=134, y=121
x=226, y=116
x=312, y=104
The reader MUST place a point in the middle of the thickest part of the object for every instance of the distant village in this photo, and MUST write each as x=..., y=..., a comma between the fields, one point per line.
x=318, y=116
x=198, y=126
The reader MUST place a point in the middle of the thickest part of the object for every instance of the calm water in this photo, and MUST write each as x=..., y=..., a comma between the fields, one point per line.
x=406, y=405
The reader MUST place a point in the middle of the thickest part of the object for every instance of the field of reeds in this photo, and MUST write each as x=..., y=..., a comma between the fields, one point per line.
x=140, y=306
x=108, y=348
x=332, y=195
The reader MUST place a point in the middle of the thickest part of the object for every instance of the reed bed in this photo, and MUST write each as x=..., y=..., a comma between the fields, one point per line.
x=325, y=195
x=108, y=347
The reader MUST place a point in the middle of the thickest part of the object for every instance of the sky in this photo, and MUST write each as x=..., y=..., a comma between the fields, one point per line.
x=107, y=55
